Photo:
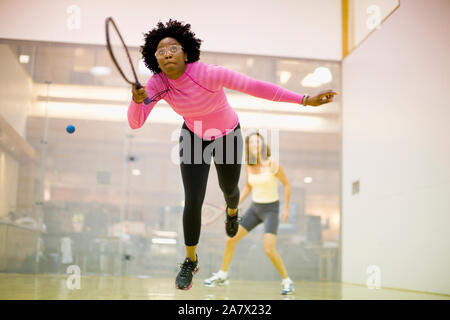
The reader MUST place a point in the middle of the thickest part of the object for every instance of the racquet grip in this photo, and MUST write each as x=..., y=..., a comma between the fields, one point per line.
x=146, y=100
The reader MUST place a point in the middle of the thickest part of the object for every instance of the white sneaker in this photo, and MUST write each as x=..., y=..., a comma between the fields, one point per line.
x=288, y=287
x=216, y=279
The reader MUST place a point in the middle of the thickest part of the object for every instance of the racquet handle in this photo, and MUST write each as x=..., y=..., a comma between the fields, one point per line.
x=147, y=100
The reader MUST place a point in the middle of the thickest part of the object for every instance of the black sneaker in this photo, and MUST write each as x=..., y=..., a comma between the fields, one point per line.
x=184, y=277
x=231, y=224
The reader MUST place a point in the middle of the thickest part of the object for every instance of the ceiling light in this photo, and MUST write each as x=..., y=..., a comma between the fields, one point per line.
x=166, y=234
x=47, y=194
x=100, y=71
x=323, y=75
x=23, y=58
x=320, y=76
x=284, y=76
x=310, y=81
x=136, y=172
x=164, y=241
x=307, y=180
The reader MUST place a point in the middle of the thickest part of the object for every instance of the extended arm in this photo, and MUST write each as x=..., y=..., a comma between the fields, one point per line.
x=223, y=77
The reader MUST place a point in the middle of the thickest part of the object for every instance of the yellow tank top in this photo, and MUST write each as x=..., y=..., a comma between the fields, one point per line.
x=264, y=185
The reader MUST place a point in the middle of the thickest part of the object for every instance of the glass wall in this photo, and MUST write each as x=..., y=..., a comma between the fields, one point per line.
x=109, y=199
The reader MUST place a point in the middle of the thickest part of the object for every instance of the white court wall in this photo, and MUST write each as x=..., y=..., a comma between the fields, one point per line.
x=396, y=142
x=289, y=28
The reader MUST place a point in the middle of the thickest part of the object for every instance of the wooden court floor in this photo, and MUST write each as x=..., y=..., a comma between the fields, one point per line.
x=51, y=287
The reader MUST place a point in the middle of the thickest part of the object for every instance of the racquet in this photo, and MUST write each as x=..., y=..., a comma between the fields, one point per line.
x=121, y=58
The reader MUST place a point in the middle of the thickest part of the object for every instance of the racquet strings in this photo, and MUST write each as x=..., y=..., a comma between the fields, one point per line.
x=123, y=60
x=119, y=51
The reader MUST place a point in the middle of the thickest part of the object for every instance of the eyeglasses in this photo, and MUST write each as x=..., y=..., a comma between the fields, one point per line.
x=161, y=52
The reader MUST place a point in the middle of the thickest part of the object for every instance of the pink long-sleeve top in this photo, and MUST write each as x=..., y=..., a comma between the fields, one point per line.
x=198, y=96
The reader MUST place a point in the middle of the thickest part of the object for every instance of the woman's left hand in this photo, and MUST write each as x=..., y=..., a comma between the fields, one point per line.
x=321, y=98
x=285, y=215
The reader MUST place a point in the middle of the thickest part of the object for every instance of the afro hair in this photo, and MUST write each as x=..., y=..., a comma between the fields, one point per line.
x=174, y=29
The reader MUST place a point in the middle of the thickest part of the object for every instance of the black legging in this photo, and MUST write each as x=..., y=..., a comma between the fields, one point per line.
x=195, y=160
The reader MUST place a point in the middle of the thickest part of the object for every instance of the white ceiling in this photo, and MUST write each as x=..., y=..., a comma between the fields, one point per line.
x=287, y=28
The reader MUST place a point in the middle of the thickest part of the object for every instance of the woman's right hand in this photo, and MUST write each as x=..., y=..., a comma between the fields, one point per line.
x=139, y=95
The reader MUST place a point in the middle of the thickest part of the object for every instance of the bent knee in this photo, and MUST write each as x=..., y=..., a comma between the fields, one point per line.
x=269, y=250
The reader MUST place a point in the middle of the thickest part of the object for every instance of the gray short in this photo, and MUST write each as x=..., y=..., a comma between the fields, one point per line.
x=262, y=212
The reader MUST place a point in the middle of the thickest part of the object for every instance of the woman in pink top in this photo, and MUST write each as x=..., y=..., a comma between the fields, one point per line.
x=211, y=127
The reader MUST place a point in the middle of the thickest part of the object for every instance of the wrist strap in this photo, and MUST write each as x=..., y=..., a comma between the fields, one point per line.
x=305, y=97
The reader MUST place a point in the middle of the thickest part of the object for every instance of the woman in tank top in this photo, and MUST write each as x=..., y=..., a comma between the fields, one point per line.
x=262, y=175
